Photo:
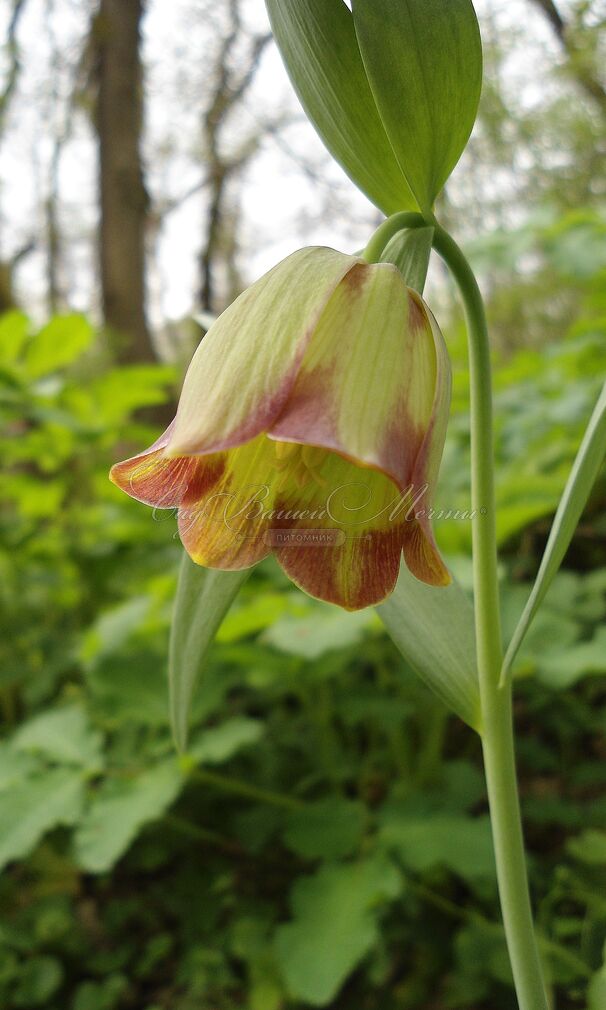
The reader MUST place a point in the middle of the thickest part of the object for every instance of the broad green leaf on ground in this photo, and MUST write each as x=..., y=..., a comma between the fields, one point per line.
x=563, y=668
x=14, y=331
x=63, y=735
x=58, y=344
x=434, y=630
x=31, y=808
x=482, y=959
x=596, y=994
x=119, y=810
x=118, y=392
x=325, y=629
x=423, y=60
x=105, y=995
x=40, y=977
x=410, y=251
x=335, y=923
x=585, y=469
x=220, y=743
x=318, y=44
x=254, y=615
x=462, y=844
x=589, y=847
x=130, y=688
x=113, y=628
x=203, y=598
x=15, y=766
x=328, y=829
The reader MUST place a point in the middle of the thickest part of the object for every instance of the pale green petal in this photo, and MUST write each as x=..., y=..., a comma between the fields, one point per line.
x=367, y=384
x=243, y=370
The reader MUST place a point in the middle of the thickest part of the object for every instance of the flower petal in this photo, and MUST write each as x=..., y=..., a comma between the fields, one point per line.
x=151, y=477
x=367, y=382
x=242, y=372
x=422, y=556
x=224, y=526
x=346, y=544
x=427, y=462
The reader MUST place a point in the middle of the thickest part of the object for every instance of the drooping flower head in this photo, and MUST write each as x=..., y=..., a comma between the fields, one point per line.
x=311, y=424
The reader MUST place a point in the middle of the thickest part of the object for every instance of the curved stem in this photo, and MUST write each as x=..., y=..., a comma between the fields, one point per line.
x=390, y=227
x=497, y=725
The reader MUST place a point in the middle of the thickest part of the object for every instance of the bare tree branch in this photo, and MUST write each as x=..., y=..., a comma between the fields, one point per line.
x=229, y=88
x=580, y=68
x=14, y=60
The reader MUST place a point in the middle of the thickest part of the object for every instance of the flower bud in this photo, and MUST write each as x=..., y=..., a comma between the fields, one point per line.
x=311, y=424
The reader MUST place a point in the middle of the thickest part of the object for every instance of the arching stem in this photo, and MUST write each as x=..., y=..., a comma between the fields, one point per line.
x=497, y=724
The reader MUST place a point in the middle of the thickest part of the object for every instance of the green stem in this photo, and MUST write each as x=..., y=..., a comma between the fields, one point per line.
x=497, y=725
x=458, y=911
x=387, y=230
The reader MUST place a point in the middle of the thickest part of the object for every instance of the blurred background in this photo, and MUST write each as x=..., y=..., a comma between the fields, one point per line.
x=326, y=844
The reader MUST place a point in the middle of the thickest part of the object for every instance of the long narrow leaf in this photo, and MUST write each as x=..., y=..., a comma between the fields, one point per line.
x=434, y=631
x=423, y=61
x=576, y=493
x=318, y=44
x=203, y=598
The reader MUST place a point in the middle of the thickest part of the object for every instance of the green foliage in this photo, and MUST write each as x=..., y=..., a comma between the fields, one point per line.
x=423, y=59
x=202, y=601
x=446, y=662
x=118, y=811
x=323, y=841
x=317, y=41
x=335, y=923
x=587, y=465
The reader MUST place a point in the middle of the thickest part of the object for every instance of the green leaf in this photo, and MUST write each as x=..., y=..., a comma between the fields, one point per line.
x=29, y=809
x=15, y=767
x=318, y=44
x=253, y=616
x=328, y=829
x=119, y=392
x=423, y=59
x=463, y=844
x=589, y=847
x=335, y=924
x=58, y=344
x=105, y=995
x=220, y=743
x=410, y=251
x=63, y=735
x=39, y=978
x=562, y=668
x=596, y=995
x=118, y=812
x=576, y=493
x=434, y=630
x=113, y=628
x=14, y=331
x=326, y=629
x=203, y=598
x=130, y=688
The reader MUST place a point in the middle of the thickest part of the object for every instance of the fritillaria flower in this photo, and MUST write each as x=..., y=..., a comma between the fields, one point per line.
x=311, y=424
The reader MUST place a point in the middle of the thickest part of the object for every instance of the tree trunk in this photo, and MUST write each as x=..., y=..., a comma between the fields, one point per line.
x=123, y=198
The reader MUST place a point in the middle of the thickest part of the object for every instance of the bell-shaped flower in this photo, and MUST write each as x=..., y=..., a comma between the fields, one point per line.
x=311, y=424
